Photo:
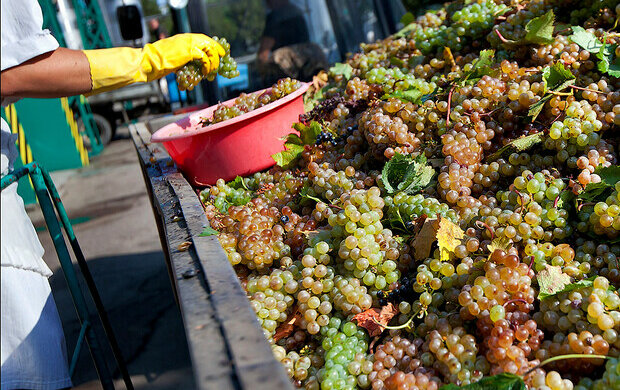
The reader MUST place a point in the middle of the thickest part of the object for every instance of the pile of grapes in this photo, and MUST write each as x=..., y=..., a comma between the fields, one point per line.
x=452, y=216
x=249, y=102
x=189, y=75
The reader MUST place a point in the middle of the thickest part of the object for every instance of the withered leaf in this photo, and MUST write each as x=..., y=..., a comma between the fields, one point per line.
x=287, y=327
x=425, y=238
x=374, y=320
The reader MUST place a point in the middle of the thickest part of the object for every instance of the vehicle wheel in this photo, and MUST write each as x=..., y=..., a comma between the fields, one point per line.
x=103, y=125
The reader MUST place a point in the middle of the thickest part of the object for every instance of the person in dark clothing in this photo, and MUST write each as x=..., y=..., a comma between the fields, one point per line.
x=285, y=48
x=285, y=25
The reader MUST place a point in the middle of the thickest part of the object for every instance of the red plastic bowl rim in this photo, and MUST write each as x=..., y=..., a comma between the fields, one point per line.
x=158, y=136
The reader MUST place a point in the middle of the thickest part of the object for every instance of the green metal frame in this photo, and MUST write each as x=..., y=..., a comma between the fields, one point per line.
x=44, y=188
x=79, y=103
x=50, y=21
x=90, y=125
x=91, y=24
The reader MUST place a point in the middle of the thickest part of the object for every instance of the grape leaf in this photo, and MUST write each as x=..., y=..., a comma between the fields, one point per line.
x=504, y=381
x=536, y=108
x=568, y=288
x=608, y=62
x=403, y=173
x=412, y=95
x=449, y=236
x=307, y=134
x=598, y=192
x=294, y=144
x=540, y=30
x=551, y=280
x=415, y=61
x=585, y=39
x=286, y=157
x=557, y=77
x=417, y=177
x=208, y=231
x=595, y=192
x=517, y=145
x=374, y=320
x=343, y=69
x=304, y=194
x=394, y=170
x=609, y=175
x=238, y=183
x=398, y=62
x=482, y=66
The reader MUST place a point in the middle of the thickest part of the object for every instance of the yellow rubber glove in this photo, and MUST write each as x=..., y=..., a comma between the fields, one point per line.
x=117, y=67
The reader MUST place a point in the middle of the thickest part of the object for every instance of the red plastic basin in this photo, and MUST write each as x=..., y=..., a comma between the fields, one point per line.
x=237, y=147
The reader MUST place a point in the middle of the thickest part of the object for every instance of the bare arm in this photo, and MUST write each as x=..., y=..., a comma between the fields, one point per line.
x=62, y=72
x=266, y=44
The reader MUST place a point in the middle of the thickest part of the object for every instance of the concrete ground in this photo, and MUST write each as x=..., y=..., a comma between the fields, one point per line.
x=115, y=227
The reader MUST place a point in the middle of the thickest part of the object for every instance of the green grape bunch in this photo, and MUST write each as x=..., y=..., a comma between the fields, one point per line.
x=189, y=75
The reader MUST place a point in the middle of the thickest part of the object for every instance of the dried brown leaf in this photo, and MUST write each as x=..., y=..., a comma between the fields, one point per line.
x=184, y=246
x=423, y=241
x=374, y=320
x=286, y=328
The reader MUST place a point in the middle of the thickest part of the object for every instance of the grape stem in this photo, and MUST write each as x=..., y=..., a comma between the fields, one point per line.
x=490, y=229
x=501, y=37
x=563, y=357
x=585, y=89
x=403, y=326
x=449, y=104
x=515, y=300
x=531, y=263
x=557, y=199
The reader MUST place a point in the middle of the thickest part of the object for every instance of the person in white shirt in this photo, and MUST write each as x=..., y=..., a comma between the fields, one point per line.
x=33, y=352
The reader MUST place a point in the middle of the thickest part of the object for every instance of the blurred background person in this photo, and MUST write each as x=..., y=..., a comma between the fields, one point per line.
x=157, y=30
x=285, y=49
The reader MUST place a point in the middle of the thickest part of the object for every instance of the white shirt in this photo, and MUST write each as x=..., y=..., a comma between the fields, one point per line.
x=22, y=38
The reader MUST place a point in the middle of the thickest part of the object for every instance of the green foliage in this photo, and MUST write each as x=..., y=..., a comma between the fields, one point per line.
x=609, y=175
x=608, y=63
x=403, y=173
x=481, y=67
x=238, y=183
x=598, y=192
x=208, y=231
x=343, y=69
x=412, y=95
x=557, y=78
x=517, y=145
x=540, y=30
x=589, y=282
x=585, y=39
x=294, y=144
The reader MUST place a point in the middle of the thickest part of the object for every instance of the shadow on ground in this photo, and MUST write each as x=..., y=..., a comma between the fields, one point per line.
x=144, y=316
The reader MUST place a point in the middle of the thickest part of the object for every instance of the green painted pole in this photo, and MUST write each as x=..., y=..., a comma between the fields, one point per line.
x=44, y=187
x=90, y=282
x=66, y=264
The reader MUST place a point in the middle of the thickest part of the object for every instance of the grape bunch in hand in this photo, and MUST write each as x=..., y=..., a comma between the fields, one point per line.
x=191, y=73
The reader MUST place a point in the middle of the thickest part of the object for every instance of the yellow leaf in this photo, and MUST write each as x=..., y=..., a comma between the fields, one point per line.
x=502, y=243
x=449, y=236
x=552, y=279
